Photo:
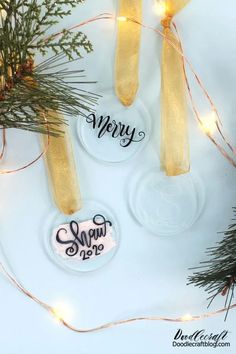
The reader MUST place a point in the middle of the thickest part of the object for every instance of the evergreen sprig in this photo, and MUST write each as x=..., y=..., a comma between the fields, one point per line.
x=28, y=91
x=218, y=274
x=26, y=22
x=46, y=88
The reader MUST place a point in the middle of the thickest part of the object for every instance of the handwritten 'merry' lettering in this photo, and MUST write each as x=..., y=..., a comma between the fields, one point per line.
x=104, y=125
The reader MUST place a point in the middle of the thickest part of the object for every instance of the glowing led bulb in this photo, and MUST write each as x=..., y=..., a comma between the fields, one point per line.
x=160, y=8
x=62, y=311
x=187, y=317
x=3, y=14
x=122, y=18
x=208, y=124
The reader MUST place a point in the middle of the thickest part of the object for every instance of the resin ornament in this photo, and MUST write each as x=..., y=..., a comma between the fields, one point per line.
x=84, y=241
x=115, y=133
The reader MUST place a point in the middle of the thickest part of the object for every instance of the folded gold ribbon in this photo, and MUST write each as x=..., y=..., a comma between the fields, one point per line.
x=62, y=171
x=127, y=51
x=174, y=130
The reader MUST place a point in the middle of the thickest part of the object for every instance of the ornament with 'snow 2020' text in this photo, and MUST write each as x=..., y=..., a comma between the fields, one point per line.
x=84, y=241
x=115, y=133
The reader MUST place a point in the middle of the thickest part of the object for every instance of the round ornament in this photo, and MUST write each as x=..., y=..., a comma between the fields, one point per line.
x=165, y=205
x=84, y=241
x=115, y=133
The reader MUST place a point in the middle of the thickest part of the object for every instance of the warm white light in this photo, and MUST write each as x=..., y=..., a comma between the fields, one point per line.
x=160, y=8
x=3, y=14
x=208, y=123
x=122, y=18
x=62, y=311
x=187, y=317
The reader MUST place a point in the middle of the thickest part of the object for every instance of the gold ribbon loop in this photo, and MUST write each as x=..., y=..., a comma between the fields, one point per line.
x=174, y=132
x=127, y=51
x=62, y=171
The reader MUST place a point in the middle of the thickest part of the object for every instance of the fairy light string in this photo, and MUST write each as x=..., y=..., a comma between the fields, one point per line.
x=213, y=120
x=32, y=162
x=54, y=312
x=186, y=318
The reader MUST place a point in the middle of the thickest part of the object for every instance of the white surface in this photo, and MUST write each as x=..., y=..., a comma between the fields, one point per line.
x=148, y=274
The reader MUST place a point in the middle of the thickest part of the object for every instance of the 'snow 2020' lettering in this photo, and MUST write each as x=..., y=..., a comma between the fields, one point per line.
x=92, y=239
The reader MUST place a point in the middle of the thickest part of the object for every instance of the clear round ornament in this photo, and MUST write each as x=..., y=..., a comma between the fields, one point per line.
x=115, y=133
x=164, y=205
x=84, y=241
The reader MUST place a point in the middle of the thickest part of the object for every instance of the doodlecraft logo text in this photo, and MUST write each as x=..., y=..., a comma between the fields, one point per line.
x=201, y=338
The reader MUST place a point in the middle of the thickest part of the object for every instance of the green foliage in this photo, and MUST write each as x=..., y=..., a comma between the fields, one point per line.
x=218, y=274
x=27, y=21
x=42, y=90
x=27, y=90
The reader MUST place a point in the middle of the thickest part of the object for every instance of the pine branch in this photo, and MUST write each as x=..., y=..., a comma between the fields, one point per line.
x=26, y=104
x=28, y=93
x=26, y=23
x=217, y=275
x=69, y=43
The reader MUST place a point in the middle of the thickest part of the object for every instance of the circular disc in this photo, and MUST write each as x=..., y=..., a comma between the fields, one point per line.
x=84, y=241
x=115, y=133
x=166, y=205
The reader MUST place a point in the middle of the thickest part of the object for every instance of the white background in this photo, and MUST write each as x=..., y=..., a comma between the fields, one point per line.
x=148, y=274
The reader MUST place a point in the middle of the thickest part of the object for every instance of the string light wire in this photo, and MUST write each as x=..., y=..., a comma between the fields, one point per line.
x=32, y=162
x=53, y=312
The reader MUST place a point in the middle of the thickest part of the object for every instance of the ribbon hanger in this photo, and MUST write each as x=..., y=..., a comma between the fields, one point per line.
x=127, y=51
x=174, y=129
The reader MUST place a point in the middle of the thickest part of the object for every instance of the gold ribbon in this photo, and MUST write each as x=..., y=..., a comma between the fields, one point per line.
x=127, y=51
x=59, y=158
x=174, y=130
x=62, y=171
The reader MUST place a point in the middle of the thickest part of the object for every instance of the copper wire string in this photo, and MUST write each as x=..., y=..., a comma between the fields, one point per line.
x=4, y=172
x=102, y=16
x=108, y=325
x=197, y=114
